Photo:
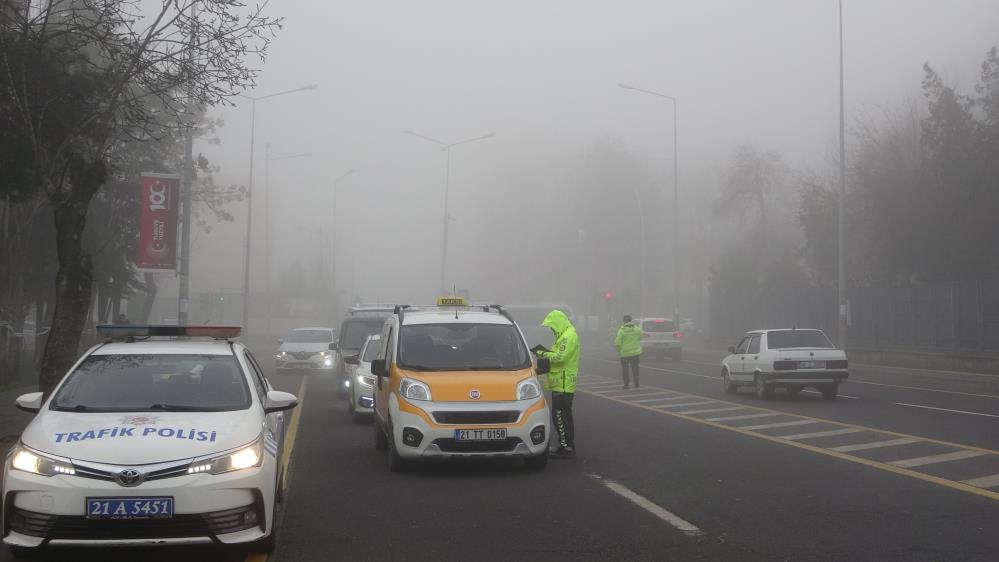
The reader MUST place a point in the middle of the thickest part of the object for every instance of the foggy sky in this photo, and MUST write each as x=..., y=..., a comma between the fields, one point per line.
x=543, y=76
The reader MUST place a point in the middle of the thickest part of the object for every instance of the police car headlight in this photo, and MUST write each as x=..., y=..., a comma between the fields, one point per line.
x=27, y=460
x=246, y=457
x=414, y=389
x=528, y=389
x=365, y=381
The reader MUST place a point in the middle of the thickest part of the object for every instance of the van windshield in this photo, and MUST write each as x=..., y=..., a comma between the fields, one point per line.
x=355, y=330
x=462, y=347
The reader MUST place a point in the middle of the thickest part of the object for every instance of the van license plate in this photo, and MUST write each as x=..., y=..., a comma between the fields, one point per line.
x=479, y=434
x=129, y=508
x=811, y=364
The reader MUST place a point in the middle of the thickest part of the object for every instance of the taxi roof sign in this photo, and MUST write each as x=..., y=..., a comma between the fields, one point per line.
x=451, y=301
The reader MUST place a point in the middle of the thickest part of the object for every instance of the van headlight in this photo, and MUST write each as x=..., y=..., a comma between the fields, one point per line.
x=414, y=389
x=528, y=389
x=26, y=460
x=245, y=457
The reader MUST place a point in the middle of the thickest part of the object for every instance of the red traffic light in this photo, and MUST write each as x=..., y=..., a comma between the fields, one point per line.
x=608, y=295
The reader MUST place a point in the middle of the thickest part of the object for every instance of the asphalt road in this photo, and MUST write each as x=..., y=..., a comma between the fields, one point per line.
x=674, y=470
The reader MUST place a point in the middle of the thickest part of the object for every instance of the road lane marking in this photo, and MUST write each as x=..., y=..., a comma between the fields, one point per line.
x=679, y=523
x=934, y=459
x=292, y=432
x=874, y=445
x=662, y=399
x=991, y=481
x=712, y=410
x=644, y=394
x=851, y=380
x=830, y=433
x=746, y=416
x=837, y=395
x=946, y=410
x=777, y=424
x=684, y=404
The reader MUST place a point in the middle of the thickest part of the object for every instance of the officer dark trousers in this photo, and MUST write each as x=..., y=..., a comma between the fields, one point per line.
x=562, y=419
x=633, y=363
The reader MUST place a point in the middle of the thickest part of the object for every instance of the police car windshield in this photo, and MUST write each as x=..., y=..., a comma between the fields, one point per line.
x=141, y=383
x=309, y=336
x=356, y=330
x=457, y=347
x=785, y=339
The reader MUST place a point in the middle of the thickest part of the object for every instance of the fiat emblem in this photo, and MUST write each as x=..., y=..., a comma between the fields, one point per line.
x=474, y=394
x=129, y=477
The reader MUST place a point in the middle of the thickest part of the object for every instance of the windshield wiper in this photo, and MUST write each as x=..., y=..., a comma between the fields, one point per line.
x=177, y=408
x=77, y=408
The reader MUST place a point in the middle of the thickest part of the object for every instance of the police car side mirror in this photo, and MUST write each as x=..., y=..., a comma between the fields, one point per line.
x=31, y=402
x=277, y=401
x=731, y=349
x=378, y=368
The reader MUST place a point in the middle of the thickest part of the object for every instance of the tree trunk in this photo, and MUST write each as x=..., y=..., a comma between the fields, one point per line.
x=74, y=280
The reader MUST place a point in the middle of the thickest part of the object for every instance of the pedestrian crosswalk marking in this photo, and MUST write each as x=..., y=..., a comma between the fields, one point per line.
x=778, y=424
x=712, y=410
x=744, y=417
x=874, y=445
x=662, y=399
x=644, y=394
x=683, y=404
x=934, y=459
x=830, y=433
x=991, y=481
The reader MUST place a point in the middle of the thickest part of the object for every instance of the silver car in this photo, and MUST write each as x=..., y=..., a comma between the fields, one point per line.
x=306, y=349
x=362, y=382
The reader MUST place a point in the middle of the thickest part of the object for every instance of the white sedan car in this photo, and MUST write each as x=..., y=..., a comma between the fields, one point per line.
x=362, y=396
x=790, y=359
x=150, y=442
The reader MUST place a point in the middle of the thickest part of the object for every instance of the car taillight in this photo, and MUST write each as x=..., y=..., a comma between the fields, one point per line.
x=678, y=335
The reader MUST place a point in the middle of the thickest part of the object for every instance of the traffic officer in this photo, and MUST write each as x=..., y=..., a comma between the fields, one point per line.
x=629, y=348
x=561, y=380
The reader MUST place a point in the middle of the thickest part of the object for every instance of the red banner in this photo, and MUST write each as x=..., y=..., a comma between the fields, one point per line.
x=158, y=222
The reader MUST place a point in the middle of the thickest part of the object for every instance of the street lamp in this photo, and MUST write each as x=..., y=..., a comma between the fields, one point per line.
x=267, y=222
x=841, y=281
x=447, y=181
x=336, y=183
x=676, y=202
x=249, y=197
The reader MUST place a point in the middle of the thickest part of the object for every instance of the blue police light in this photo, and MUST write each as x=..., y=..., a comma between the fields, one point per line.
x=123, y=331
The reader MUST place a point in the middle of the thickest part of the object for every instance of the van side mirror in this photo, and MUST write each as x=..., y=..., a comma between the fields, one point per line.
x=332, y=346
x=352, y=359
x=378, y=368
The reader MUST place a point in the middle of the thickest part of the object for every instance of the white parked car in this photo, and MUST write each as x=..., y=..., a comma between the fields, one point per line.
x=790, y=359
x=306, y=349
x=362, y=382
x=150, y=442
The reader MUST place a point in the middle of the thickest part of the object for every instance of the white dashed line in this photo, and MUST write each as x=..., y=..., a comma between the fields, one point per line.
x=934, y=459
x=873, y=445
x=830, y=433
x=946, y=410
x=679, y=523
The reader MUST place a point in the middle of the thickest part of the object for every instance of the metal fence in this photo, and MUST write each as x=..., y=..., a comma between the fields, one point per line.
x=960, y=318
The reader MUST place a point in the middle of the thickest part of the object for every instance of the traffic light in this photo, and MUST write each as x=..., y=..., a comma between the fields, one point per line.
x=608, y=295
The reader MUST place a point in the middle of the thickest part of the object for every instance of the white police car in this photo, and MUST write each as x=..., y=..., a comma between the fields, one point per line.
x=150, y=441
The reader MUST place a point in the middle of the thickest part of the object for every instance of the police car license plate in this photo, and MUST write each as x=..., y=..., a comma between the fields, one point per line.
x=479, y=434
x=811, y=364
x=130, y=508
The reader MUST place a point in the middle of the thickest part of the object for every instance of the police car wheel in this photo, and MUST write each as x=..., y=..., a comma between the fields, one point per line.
x=381, y=441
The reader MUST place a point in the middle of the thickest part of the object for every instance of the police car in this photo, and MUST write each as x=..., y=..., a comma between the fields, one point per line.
x=150, y=441
x=455, y=380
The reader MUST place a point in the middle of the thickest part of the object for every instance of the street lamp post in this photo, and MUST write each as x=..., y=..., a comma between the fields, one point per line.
x=676, y=202
x=841, y=281
x=447, y=181
x=249, y=198
x=267, y=223
x=336, y=183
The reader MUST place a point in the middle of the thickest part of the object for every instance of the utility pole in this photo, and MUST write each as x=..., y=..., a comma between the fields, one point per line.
x=186, y=193
x=843, y=303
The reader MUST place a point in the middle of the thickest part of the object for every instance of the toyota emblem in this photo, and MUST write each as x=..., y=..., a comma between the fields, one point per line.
x=129, y=477
x=474, y=394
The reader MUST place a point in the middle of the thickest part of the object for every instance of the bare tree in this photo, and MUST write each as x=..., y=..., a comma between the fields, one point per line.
x=80, y=78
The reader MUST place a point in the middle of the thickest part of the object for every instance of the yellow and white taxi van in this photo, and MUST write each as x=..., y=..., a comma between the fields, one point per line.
x=455, y=380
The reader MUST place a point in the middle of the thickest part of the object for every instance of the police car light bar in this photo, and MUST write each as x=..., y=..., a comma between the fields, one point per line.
x=123, y=331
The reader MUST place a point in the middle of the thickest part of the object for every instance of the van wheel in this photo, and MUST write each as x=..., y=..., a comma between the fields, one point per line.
x=381, y=441
x=764, y=391
x=395, y=462
x=729, y=386
x=830, y=392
